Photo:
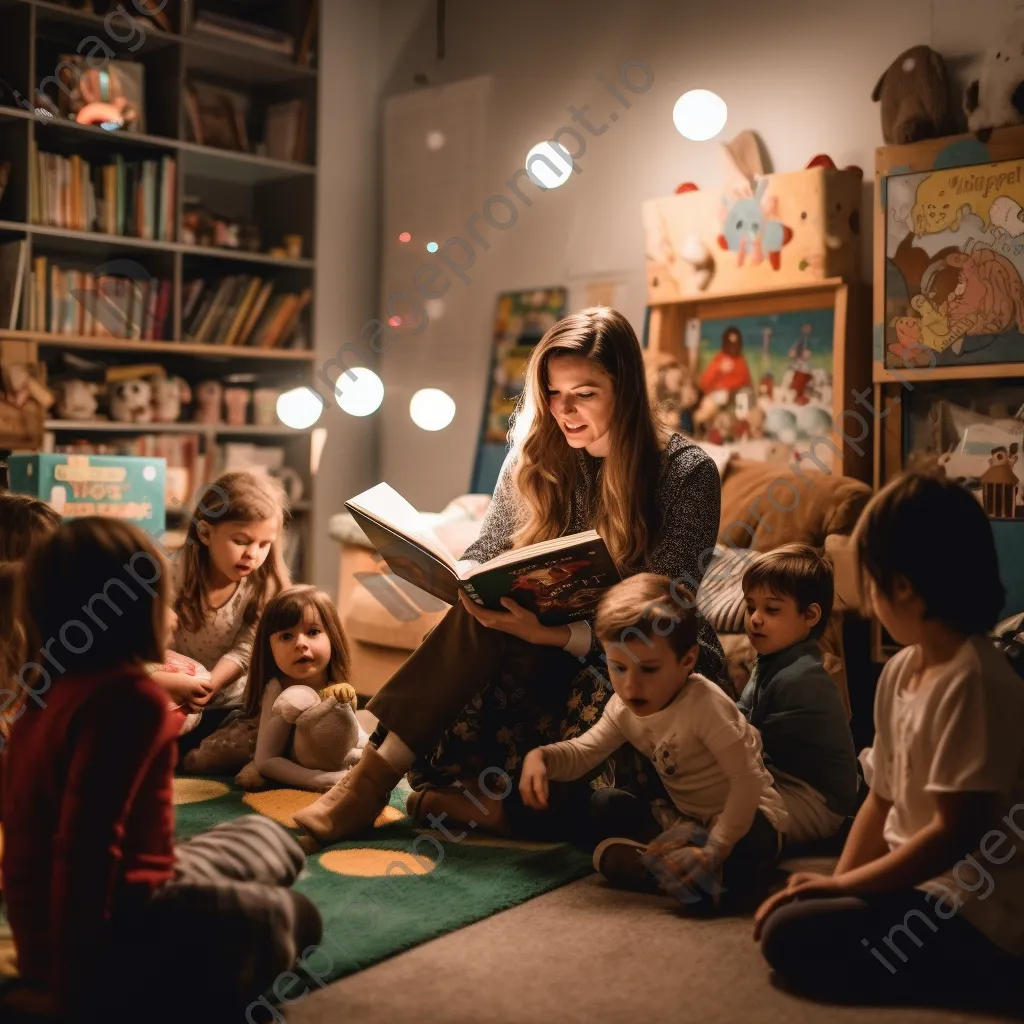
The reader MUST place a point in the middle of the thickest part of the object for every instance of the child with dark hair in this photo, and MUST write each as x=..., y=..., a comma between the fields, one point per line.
x=706, y=754
x=300, y=642
x=931, y=870
x=95, y=886
x=790, y=698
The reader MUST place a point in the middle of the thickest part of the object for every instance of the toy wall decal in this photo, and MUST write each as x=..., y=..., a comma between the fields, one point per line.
x=954, y=275
x=748, y=226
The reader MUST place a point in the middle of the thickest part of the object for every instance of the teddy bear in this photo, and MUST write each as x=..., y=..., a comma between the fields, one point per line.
x=168, y=395
x=996, y=97
x=326, y=735
x=131, y=401
x=76, y=399
x=915, y=96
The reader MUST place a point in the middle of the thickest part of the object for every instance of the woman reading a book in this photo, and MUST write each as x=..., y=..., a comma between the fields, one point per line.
x=484, y=687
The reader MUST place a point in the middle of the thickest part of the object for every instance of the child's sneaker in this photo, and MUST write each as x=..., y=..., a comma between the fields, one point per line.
x=619, y=861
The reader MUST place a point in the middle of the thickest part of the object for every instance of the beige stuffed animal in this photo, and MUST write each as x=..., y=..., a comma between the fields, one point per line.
x=326, y=735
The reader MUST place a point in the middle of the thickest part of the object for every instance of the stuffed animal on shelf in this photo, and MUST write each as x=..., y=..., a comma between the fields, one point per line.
x=209, y=395
x=915, y=95
x=169, y=393
x=326, y=737
x=996, y=97
x=131, y=401
x=77, y=399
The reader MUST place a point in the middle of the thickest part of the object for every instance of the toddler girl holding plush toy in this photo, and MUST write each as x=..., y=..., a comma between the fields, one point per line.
x=298, y=685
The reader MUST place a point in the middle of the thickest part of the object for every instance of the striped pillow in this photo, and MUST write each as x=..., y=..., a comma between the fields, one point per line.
x=720, y=598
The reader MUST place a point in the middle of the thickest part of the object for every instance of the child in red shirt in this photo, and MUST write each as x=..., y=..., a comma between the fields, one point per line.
x=99, y=899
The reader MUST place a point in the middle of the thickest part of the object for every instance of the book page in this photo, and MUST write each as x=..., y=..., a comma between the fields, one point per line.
x=387, y=506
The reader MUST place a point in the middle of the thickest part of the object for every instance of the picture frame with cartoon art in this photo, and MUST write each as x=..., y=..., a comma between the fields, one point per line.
x=774, y=371
x=948, y=320
x=521, y=319
x=949, y=257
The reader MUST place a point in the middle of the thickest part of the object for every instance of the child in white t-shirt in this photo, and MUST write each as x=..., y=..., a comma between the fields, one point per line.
x=928, y=895
x=707, y=755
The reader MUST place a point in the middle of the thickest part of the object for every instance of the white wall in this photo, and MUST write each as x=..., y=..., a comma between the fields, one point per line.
x=798, y=72
x=346, y=277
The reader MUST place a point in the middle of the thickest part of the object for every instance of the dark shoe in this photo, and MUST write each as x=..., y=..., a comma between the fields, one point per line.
x=619, y=861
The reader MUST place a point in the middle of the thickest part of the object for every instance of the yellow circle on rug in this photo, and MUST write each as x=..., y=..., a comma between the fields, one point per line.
x=280, y=804
x=194, y=791
x=368, y=863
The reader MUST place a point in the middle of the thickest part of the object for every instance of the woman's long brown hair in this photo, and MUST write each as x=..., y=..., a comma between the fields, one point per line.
x=286, y=611
x=547, y=467
x=236, y=497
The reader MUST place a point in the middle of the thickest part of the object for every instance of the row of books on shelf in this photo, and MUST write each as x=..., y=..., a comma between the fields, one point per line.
x=65, y=300
x=118, y=197
x=241, y=309
x=221, y=27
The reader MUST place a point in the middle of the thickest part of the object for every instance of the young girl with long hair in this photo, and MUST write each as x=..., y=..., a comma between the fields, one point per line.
x=227, y=570
x=299, y=642
x=24, y=522
x=95, y=885
x=485, y=687
x=927, y=900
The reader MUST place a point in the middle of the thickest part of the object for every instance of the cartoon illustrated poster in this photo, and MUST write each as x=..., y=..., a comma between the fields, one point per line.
x=766, y=376
x=521, y=320
x=954, y=293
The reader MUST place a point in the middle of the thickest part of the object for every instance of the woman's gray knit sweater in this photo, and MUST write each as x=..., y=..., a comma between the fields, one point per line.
x=689, y=497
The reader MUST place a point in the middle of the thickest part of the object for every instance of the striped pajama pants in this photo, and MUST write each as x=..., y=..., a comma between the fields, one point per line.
x=215, y=936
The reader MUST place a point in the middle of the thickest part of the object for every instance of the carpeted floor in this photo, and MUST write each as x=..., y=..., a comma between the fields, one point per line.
x=589, y=954
x=399, y=888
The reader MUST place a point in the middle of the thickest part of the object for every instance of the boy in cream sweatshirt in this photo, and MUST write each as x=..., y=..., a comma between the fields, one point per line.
x=706, y=753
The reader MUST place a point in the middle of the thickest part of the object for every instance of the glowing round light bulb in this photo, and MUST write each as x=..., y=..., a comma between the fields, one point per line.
x=405, y=237
x=299, y=408
x=548, y=164
x=432, y=409
x=359, y=391
x=699, y=115
x=431, y=246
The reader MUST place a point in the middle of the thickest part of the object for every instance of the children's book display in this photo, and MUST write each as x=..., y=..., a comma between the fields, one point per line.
x=521, y=320
x=559, y=580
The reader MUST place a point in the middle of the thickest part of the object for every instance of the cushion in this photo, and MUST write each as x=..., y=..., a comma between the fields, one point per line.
x=387, y=611
x=765, y=505
x=720, y=598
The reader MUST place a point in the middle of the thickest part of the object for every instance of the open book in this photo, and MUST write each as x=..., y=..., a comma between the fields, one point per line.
x=560, y=580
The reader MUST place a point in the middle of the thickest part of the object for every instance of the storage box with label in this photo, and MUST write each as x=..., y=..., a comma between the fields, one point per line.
x=121, y=486
x=788, y=230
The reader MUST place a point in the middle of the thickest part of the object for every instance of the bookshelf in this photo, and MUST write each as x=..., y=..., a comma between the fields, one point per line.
x=227, y=117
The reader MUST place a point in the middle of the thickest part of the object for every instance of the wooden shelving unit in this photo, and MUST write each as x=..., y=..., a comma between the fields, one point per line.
x=277, y=196
x=899, y=391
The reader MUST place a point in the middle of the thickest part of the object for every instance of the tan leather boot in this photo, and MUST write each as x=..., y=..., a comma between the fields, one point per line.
x=352, y=804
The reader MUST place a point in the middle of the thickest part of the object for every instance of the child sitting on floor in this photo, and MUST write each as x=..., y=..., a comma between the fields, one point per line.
x=790, y=698
x=228, y=568
x=96, y=887
x=933, y=869
x=300, y=642
x=706, y=753
x=24, y=521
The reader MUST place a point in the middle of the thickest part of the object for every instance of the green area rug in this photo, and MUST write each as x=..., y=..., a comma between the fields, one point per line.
x=394, y=889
